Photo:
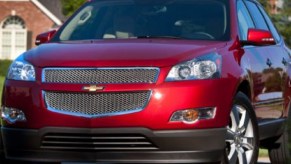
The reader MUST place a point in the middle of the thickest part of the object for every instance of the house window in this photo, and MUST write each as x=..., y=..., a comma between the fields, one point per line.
x=13, y=38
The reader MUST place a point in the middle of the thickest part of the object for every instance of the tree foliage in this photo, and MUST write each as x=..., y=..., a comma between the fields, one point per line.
x=282, y=19
x=70, y=6
x=266, y=5
x=287, y=7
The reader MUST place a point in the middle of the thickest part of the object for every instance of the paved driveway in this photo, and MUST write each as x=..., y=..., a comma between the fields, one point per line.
x=264, y=161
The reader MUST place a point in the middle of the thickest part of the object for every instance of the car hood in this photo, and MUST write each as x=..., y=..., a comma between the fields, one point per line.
x=119, y=53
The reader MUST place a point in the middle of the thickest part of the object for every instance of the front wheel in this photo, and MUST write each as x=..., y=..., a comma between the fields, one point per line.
x=242, y=143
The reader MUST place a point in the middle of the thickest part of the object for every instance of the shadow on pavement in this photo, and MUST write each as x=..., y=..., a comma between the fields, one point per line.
x=21, y=162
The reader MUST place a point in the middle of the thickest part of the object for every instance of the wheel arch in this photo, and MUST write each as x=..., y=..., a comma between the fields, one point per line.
x=245, y=88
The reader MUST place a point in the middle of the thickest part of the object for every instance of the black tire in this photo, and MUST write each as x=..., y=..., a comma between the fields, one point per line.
x=2, y=159
x=242, y=141
x=2, y=155
x=279, y=151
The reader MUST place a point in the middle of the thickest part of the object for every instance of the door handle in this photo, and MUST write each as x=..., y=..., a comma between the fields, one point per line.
x=284, y=61
x=269, y=63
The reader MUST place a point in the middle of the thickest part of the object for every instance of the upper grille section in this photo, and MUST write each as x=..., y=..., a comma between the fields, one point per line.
x=100, y=75
x=96, y=105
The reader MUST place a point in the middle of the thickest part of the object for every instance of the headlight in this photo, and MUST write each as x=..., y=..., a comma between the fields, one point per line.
x=21, y=70
x=204, y=67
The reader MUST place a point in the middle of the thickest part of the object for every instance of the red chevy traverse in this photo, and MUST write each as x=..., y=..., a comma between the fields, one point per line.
x=156, y=81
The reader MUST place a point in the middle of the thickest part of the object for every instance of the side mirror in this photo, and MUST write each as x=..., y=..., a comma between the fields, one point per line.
x=259, y=38
x=44, y=37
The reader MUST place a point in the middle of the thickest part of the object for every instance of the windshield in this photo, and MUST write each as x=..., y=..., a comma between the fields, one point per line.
x=138, y=19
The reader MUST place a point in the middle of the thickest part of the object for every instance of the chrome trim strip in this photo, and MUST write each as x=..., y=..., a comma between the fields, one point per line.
x=270, y=122
x=109, y=68
x=95, y=116
x=268, y=102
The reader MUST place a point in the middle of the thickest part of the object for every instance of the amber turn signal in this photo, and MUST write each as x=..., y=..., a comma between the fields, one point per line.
x=190, y=116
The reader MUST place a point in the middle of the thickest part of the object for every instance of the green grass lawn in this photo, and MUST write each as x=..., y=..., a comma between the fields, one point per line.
x=1, y=86
x=263, y=153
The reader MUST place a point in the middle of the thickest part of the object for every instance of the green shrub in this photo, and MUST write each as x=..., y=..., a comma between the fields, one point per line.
x=1, y=87
x=4, y=66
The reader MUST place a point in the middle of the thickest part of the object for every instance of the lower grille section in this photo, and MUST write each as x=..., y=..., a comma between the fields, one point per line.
x=100, y=142
x=96, y=104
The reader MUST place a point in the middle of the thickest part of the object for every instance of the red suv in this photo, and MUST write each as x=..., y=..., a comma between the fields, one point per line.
x=156, y=81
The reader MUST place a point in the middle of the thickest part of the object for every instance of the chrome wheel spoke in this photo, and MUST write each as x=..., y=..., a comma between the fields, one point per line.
x=247, y=143
x=242, y=158
x=244, y=120
x=247, y=146
x=235, y=118
x=241, y=130
x=230, y=136
x=233, y=155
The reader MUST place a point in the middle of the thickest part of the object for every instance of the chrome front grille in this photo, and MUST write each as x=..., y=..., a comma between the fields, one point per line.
x=100, y=75
x=96, y=104
x=95, y=142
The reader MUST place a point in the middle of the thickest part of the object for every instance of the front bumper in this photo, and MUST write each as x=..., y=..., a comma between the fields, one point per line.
x=167, y=98
x=170, y=146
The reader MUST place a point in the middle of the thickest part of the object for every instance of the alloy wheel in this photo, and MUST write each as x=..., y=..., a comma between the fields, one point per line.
x=240, y=136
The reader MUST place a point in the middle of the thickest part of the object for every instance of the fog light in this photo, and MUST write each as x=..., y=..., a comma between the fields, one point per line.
x=190, y=116
x=12, y=115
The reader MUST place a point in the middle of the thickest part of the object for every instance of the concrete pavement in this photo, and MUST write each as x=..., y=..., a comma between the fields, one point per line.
x=264, y=160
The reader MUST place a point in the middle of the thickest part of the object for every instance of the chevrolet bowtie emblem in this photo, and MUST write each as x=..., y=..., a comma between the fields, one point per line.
x=93, y=88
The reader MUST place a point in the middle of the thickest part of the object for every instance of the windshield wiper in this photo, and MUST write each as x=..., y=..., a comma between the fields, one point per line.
x=159, y=37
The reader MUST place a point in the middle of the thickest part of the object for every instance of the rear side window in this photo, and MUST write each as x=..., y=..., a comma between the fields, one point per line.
x=244, y=20
x=257, y=16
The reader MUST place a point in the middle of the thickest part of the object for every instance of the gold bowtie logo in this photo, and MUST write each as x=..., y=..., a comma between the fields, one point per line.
x=93, y=88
